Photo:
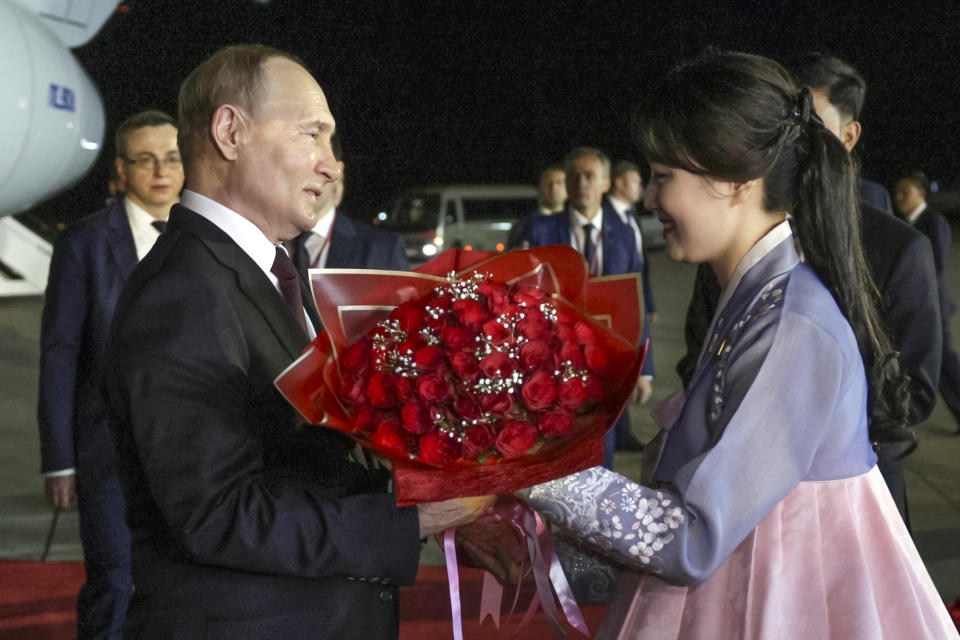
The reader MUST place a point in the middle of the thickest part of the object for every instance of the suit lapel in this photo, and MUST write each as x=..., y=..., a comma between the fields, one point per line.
x=343, y=252
x=121, y=244
x=251, y=280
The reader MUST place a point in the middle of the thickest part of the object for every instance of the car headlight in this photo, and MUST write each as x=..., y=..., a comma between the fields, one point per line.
x=429, y=249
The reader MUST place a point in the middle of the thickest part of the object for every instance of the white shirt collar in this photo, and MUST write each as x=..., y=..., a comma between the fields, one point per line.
x=247, y=235
x=141, y=227
x=324, y=224
x=912, y=217
x=577, y=220
x=620, y=206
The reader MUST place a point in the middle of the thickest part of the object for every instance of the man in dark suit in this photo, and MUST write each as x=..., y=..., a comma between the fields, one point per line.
x=551, y=196
x=337, y=242
x=626, y=190
x=246, y=523
x=901, y=264
x=911, y=197
x=91, y=260
x=606, y=243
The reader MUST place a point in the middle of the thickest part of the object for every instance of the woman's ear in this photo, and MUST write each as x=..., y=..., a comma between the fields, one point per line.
x=743, y=192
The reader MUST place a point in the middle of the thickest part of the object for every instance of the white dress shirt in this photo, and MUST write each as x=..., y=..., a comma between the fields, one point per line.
x=317, y=243
x=141, y=226
x=577, y=238
x=913, y=215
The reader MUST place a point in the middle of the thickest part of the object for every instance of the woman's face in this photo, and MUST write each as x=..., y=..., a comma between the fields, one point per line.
x=697, y=221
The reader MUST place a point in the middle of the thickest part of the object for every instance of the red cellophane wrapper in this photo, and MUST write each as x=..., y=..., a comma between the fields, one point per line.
x=435, y=369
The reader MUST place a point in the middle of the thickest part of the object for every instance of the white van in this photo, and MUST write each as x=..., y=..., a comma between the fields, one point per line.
x=467, y=216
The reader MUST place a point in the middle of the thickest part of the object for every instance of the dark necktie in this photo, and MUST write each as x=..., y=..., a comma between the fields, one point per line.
x=159, y=225
x=289, y=283
x=588, y=246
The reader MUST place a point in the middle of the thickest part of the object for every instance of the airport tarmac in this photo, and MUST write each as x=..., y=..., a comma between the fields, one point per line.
x=932, y=472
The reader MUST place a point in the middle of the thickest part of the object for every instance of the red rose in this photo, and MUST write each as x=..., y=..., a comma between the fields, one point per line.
x=355, y=392
x=440, y=302
x=496, y=293
x=477, y=440
x=465, y=366
x=428, y=358
x=410, y=316
x=534, y=326
x=530, y=296
x=438, y=448
x=516, y=438
x=570, y=352
x=416, y=418
x=596, y=357
x=410, y=346
x=584, y=333
x=536, y=355
x=466, y=408
x=500, y=402
x=538, y=391
x=555, y=423
x=356, y=357
x=381, y=390
x=471, y=313
x=391, y=438
x=566, y=333
x=594, y=388
x=365, y=417
x=406, y=388
x=571, y=394
x=505, y=308
x=495, y=331
x=457, y=338
x=497, y=365
x=434, y=388
x=567, y=317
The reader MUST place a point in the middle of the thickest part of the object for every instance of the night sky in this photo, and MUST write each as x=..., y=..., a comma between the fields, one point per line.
x=457, y=91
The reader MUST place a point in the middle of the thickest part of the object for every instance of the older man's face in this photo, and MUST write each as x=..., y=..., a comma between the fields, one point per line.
x=586, y=184
x=285, y=162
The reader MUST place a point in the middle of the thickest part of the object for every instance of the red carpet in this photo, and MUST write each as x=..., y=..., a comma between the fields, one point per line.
x=38, y=599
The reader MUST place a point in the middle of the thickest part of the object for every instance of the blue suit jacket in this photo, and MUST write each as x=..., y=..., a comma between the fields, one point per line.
x=933, y=225
x=619, y=250
x=355, y=245
x=876, y=196
x=91, y=261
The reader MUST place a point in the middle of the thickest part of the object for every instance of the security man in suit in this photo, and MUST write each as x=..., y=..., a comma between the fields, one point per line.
x=245, y=522
x=91, y=260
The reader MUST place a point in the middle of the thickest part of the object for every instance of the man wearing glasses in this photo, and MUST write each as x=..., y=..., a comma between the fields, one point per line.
x=91, y=261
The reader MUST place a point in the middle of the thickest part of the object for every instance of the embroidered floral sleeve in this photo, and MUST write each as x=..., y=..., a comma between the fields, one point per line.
x=629, y=521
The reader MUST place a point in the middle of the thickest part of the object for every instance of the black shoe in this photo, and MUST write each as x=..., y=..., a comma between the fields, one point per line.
x=629, y=443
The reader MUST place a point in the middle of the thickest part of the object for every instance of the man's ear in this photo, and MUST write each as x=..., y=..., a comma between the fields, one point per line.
x=121, y=166
x=228, y=128
x=850, y=134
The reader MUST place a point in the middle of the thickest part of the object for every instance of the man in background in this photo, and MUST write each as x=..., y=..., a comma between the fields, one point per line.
x=551, y=196
x=911, y=198
x=339, y=242
x=606, y=244
x=91, y=261
x=626, y=190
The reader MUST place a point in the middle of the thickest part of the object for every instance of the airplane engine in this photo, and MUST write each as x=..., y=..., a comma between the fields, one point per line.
x=52, y=117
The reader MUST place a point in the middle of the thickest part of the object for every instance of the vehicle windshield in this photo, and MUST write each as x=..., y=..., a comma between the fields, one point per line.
x=497, y=210
x=416, y=212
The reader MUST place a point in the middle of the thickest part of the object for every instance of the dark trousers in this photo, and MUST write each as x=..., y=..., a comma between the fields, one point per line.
x=891, y=468
x=950, y=374
x=103, y=599
x=620, y=428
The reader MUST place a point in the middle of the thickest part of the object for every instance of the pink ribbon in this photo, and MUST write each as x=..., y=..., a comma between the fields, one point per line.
x=530, y=526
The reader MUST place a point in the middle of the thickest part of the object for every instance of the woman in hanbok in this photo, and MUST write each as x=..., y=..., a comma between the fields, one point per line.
x=765, y=516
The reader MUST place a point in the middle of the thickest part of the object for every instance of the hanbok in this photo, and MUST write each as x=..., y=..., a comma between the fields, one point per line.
x=766, y=516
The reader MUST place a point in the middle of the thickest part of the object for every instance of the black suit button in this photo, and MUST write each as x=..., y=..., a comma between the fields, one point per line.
x=386, y=596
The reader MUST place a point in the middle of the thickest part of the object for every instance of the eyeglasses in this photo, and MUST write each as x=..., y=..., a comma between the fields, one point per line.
x=148, y=162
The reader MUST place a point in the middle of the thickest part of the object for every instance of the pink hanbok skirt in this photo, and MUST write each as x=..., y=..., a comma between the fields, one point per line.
x=832, y=561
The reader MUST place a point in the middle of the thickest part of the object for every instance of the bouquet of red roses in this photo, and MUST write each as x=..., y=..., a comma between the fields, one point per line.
x=475, y=374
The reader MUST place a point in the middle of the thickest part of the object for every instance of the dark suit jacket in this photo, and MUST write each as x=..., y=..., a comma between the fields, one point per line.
x=933, y=225
x=355, y=245
x=244, y=520
x=875, y=196
x=91, y=260
x=901, y=264
x=619, y=250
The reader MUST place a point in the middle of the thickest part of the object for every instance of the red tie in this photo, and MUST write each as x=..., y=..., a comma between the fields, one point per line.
x=289, y=282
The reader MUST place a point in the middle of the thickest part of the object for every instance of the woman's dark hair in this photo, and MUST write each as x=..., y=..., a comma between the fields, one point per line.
x=739, y=117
